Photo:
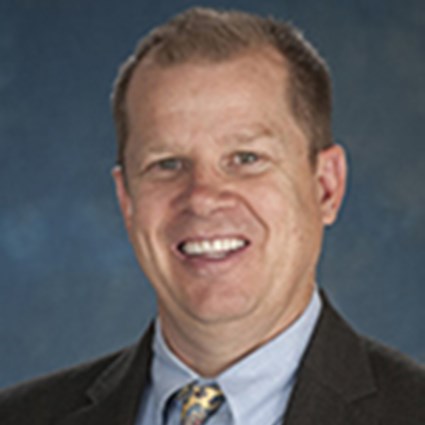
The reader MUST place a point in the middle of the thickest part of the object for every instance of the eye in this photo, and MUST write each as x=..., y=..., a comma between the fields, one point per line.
x=248, y=163
x=169, y=164
x=165, y=168
x=242, y=158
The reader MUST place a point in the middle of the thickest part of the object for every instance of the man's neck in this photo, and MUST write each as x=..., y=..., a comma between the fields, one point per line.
x=211, y=348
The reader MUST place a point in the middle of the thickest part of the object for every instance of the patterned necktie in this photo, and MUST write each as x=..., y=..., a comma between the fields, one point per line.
x=199, y=403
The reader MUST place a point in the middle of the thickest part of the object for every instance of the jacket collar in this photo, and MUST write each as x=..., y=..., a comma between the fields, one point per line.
x=335, y=382
x=114, y=398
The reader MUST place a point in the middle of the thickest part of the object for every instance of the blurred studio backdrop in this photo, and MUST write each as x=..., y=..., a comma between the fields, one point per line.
x=70, y=288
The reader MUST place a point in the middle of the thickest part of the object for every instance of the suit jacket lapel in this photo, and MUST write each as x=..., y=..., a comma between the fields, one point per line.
x=114, y=397
x=335, y=383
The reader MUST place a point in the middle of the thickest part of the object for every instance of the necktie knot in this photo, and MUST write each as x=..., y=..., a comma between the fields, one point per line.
x=199, y=402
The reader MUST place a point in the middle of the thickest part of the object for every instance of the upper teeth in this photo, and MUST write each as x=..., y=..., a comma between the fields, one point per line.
x=212, y=246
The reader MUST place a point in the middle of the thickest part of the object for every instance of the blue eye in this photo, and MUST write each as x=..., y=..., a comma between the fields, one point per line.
x=169, y=164
x=242, y=158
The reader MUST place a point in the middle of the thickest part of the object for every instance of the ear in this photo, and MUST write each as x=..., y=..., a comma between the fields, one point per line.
x=331, y=175
x=124, y=199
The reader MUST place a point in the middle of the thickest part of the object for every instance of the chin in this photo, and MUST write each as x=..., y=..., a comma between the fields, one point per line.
x=220, y=310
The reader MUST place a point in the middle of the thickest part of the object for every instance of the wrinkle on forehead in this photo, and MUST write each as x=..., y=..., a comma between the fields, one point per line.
x=149, y=77
x=175, y=95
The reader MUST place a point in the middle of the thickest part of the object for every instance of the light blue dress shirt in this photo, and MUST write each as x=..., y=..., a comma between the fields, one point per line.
x=257, y=388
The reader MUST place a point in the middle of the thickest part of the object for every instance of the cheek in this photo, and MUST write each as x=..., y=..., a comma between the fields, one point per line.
x=148, y=214
x=151, y=205
x=287, y=211
x=271, y=203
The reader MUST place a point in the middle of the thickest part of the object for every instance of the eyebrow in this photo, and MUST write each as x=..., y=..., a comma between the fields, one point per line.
x=155, y=147
x=247, y=137
x=252, y=136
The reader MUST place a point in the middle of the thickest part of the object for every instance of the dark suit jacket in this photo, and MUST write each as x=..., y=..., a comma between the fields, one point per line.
x=344, y=379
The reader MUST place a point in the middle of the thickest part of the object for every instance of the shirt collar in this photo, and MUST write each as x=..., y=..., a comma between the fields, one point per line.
x=254, y=386
x=169, y=373
x=256, y=380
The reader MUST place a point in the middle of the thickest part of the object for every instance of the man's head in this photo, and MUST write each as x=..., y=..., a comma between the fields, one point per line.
x=219, y=197
x=209, y=35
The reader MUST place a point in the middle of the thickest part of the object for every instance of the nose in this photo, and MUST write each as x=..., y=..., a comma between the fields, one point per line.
x=206, y=194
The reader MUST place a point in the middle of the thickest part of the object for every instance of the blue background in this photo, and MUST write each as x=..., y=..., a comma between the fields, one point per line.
x=70, y=287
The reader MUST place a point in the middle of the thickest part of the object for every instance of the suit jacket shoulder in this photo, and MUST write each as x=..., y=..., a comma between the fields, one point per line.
x=346, y=378
x=104, y=391
x=53, y=396
x=400, y=383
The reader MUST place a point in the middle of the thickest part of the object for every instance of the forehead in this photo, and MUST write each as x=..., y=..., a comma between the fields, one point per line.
x=212, y=97
x=256, y=67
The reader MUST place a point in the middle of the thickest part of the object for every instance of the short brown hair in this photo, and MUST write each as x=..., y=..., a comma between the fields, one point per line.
x=213, y=35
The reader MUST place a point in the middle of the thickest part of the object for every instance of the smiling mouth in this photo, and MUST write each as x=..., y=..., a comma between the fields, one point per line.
x=212, y=249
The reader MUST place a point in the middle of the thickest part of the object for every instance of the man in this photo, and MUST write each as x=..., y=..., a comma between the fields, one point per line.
x=226, y=177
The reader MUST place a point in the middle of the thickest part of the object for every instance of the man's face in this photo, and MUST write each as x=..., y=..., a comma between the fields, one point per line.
x=222, y=206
